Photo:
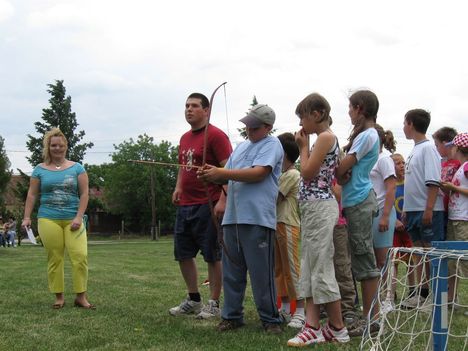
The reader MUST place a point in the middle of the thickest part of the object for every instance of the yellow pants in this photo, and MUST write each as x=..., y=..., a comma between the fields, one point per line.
x=57, y=236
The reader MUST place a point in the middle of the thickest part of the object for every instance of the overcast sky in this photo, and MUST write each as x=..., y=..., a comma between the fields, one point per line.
x=129, y=65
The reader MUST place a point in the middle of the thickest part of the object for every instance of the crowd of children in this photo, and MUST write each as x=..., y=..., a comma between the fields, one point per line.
x=341, y=212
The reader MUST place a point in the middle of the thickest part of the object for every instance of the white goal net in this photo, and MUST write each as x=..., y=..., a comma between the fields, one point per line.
x=409, y=321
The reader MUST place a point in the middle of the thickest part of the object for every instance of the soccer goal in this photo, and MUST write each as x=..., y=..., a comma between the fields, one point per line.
x=409, y=322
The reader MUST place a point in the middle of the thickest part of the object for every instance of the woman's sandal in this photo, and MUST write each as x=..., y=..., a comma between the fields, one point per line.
x=57, y=306
x=88, y=307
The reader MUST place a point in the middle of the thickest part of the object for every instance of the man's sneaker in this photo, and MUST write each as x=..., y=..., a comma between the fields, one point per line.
x=415, y=301
x=229, y=324
x=333, y=335
x=286, y=316
x=307, y=336
x=210, y=310
x=272, y=328
x=186, y=307
x=361, y=327
x=297, y=321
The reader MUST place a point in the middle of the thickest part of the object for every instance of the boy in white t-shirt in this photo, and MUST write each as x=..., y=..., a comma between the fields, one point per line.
x=423, y=205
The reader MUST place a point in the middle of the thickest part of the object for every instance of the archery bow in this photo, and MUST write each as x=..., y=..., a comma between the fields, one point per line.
x=210, y=200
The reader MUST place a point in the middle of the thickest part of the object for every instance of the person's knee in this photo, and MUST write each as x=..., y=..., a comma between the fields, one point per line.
x=79, y=258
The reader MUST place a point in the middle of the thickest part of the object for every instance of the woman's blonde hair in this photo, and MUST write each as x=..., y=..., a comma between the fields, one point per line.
x=54, y=132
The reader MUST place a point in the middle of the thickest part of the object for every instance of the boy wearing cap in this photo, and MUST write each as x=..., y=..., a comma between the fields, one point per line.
x=423, y=205
x=457, y=228
x=249, y=223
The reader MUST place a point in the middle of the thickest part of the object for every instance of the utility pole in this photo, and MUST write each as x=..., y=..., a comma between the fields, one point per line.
x=154, y=235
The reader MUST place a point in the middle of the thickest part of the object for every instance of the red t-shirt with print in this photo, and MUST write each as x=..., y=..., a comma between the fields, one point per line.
x=191, y=153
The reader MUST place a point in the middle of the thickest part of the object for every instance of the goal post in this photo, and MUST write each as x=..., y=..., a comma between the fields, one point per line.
x=439, y=269
x=428, y=324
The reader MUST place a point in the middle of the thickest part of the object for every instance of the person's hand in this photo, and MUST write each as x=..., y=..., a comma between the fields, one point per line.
x=426, y=220
x=302, y=139
x=76, y=223
x=345, y=178
x=447, y=187
x=176, y=196
x=210, y=173
x=220, y=208
x=399, y=226
x=383, y=224
x=26, y=223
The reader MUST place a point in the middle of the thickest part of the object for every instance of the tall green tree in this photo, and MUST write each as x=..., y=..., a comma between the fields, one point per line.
x=60, y=115
x=97, y=175
x=128, y=186
x=5, y=173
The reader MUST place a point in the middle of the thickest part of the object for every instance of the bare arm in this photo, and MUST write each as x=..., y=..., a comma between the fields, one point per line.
x=83, y=188
x=33, y=191
x=221, y=175
x=178, y=188
x=431, y=199
x=311, y=162
x=220, y=206
x=336, y=189
x=447, y=186
x=343, y=172
x=390, y=187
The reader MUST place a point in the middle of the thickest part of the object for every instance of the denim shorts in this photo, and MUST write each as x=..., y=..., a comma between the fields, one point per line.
x=384, y=239
x=195, y=232
x=426, y=234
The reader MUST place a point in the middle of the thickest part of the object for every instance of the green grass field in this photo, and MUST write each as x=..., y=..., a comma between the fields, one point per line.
x=133, y=284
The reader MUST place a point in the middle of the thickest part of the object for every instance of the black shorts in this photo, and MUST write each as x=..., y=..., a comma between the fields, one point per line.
x=194, y=231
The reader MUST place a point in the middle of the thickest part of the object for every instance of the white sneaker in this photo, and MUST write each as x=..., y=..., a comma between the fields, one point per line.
x=186, y=307
x=387, y=306
x=415, y=301
x=307, y=336
x=332, y=335
x=297, y=321
x=210, y=310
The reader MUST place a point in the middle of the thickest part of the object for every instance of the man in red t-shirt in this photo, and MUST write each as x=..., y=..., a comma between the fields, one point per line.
x=194, y=228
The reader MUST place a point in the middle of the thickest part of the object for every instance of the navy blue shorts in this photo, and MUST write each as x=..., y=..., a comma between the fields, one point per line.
x=426, y=234
x=195, y=232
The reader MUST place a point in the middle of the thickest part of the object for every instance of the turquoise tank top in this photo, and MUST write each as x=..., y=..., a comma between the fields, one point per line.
x=60, y=196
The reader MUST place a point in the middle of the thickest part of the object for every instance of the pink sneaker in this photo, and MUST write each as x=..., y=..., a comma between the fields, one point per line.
x=333, y=335
x=307, y=336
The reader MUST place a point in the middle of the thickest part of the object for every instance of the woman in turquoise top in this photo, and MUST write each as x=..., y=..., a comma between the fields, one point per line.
x=63, y=189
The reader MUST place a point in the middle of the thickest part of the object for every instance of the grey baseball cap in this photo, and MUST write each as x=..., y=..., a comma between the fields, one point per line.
x=258, y=115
